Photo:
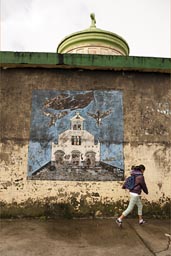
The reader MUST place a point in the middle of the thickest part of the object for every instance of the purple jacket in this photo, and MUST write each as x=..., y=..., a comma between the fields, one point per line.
x=139, y=183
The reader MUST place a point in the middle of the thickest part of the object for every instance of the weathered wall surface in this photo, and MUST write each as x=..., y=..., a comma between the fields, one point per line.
x=147, y=133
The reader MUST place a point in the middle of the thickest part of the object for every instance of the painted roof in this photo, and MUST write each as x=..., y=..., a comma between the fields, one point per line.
x=76, y=117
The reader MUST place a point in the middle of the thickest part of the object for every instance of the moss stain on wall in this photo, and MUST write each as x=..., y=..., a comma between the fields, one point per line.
x=81, y=209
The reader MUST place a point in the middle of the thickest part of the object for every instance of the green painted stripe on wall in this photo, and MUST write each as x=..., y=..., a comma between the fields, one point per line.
x=84, y=61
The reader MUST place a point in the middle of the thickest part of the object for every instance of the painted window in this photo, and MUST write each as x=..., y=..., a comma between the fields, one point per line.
x=76, y=140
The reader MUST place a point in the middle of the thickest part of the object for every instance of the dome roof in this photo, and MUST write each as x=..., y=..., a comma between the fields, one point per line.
x=94, y=41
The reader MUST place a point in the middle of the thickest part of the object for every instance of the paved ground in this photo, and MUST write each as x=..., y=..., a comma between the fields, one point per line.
x=80, y=237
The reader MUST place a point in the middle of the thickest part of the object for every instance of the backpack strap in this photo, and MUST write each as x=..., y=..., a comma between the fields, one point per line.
x=136, y=175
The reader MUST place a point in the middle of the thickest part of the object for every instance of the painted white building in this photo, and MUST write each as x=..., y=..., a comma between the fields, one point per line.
x=76, y=147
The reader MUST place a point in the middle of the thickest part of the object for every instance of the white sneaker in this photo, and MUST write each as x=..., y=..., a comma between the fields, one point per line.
x=141, y=222
x=119, y=223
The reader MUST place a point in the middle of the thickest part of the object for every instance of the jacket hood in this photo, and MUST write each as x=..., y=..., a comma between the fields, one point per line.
x=136, y=172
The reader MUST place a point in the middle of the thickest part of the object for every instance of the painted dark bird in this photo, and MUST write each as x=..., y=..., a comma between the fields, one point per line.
x=54, y=117
x=99, y=115
x=67, y=101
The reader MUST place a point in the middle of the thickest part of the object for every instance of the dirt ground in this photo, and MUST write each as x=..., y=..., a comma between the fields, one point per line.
x=84, y=237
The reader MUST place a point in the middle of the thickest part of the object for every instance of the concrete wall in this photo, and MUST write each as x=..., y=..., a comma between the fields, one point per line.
x=147, y=133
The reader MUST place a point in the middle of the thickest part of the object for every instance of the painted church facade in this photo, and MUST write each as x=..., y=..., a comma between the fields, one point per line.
x=76, y=147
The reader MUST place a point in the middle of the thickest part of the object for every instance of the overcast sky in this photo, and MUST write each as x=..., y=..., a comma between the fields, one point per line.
x=39, y=25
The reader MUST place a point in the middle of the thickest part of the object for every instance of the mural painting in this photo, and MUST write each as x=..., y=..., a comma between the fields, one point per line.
x=76, y=136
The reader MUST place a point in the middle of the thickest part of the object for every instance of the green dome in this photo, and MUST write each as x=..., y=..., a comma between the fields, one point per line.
x=94, y=41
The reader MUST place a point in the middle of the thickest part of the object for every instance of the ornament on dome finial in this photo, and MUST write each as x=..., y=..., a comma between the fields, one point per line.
x=93, y=20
